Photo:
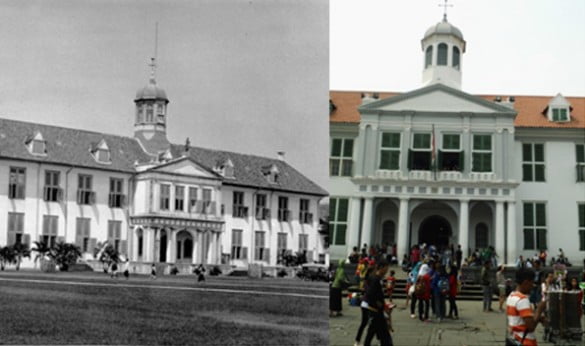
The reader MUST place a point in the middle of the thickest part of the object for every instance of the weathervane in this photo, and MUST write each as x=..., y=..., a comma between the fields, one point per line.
x=445, y=5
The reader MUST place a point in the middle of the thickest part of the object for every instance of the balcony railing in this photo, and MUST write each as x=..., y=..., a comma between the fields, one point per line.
x=283, y=215
x=52, y=194
x=262, y=213
x=240, y=211
x=85, y=197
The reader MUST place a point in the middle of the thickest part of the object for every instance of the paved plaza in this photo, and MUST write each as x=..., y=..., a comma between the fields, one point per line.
x=474, y=327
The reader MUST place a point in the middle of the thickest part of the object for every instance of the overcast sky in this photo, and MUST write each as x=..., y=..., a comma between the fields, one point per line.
x=246, y=76
x=514, y=47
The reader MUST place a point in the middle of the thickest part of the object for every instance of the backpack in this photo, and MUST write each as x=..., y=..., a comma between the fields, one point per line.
x=444, y=286
x=419, y=287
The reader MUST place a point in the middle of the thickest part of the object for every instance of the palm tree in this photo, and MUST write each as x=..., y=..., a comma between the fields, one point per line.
x=64, y=255
x=20, y=251
x=107, y=256
x=42, y=250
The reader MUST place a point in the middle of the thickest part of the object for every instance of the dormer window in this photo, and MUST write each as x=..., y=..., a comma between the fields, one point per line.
x=37, y=145
x=165, y=156
x=271, y=173
x=559, y=109
x=225, y=168
x=101, y=152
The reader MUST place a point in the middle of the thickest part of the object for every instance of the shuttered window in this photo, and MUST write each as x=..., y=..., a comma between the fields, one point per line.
x=16, y=183
x=15, y=228
x=82, y=234
x=338, y=209
x=535, y=230
x=115, y=234
x=50, y=231
x=390, y=151
x=481, y=154
x=533, y=164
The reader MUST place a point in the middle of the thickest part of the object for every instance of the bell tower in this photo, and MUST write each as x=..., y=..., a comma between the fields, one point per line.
x=443, y=46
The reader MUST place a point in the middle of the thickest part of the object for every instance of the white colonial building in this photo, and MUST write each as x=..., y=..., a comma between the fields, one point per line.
x=155, y=201
x=438, y=165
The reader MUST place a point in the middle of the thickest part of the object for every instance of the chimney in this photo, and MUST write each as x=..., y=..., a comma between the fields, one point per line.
x=367, y=98
x=280, y=155
x=509, y=102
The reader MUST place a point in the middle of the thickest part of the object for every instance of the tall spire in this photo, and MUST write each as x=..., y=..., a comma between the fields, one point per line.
x=445, y=5
x=153, y=58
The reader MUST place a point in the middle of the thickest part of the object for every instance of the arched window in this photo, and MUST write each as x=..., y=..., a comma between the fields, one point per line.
x=149, y=113
x=456, y=57
x=184, y=245
x=442, y=54
x=140, y=241
x=388, y=232
x=481, y=236
x=429, y=56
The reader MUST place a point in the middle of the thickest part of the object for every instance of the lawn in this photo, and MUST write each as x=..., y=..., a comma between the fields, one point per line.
x=162, y=312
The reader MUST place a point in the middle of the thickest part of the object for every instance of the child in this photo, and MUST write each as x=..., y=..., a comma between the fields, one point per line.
x=390, y=284
x=153, y=272
x=126, y=272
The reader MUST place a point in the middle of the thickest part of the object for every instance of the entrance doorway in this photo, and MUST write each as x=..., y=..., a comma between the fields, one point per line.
x=184, y=246
x=435, y=230
x=163, y=246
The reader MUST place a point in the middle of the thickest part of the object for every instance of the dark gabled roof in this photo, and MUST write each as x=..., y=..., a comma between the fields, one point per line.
x=69, y=146
x=72, y=147
x=248, y=170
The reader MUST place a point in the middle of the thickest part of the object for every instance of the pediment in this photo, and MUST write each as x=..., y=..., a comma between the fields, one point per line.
x=184, y=166
x=436, y=98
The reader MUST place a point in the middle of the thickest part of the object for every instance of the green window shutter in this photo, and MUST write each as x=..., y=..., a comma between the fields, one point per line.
x=539, y=152
x=439, y=160
x=340, y=234
x=395, y=159
x=541, y=239
x=581, y=215
x=384, y=159
x=539, y=173
x=336, y=147
x=526, y=152
x=528, y=214
x=582, y=240
x=343, y=208
x=528, y=239
x=527, y=172
x=386, y=140
x=540, y=214
x=348, y=148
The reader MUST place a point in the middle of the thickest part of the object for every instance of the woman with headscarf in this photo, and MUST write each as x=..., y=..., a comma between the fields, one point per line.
x=339, y=280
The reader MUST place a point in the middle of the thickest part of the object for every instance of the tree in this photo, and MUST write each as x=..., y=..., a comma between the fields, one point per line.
x=7, y=256
x=20, y=251
x=107, y=254
x=42, y=250
x=65, y=255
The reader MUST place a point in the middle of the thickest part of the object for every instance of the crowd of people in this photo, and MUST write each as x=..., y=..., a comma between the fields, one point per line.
x=433, y=279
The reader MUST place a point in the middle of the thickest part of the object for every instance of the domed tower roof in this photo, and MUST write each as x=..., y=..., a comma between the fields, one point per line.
x=151, y=92
x=444, y=28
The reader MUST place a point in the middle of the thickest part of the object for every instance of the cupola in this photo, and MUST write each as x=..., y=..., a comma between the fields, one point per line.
x=443, y=46
x=151, y=115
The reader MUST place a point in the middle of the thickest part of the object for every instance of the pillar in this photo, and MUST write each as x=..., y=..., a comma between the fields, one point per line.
x=367, y=223
x=464, y=226
x=353, y=227
x=213, y=247
x=156, y=250
x=402, y=238
x=172, y=252
x=196, y=247
x=511, y=259
x=500, y=234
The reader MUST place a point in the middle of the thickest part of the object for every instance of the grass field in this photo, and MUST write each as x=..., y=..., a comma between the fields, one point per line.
x=91, y=308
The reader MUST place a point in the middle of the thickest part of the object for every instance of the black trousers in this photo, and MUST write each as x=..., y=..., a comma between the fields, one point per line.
x=423, y=304
x=413, y=303
x=453, y=307
x=379, y=327
x=363, y=324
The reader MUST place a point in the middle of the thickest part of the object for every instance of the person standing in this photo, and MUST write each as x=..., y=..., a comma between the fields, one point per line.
x=522, y=321
x=440, y=290
x=486, y=286
x=458, y=256
x=501, y=281
x=365, y=311
x=422, y=291
x=453, y=290
x=126, y=268
x=339, y=281
x=375, y=299
x=153, y=272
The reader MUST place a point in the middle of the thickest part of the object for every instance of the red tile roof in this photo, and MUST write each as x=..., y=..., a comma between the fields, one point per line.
x=530, y=109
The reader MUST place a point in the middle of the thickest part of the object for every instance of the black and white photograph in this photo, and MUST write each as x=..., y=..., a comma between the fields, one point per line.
x=164, y=172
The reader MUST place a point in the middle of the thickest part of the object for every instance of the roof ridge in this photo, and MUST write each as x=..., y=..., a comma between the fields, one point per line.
x=66, y=128
x=232, y=152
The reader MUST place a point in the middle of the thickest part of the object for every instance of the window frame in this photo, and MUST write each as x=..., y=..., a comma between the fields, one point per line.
x=581, y=225
x=51, y=190
x=115, y=234
x=239, y=210
x=83, y=233
x=342, y=161
x=580, y=162
x=15, y=227
x=391, y=150
x=283, y=211
x=85, y=194
x=116, y=195
x=335, y=222
x=482, y=152
x=17, y=182
x=50, y=230
x=439, y=55
x=165, y=198
x=533, y=163
x=179, y=198
x=237, y=244
x=533, y=229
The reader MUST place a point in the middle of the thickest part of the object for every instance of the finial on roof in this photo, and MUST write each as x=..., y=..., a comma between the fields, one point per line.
x=187, y=144
x=153, y=58
x=445, y=5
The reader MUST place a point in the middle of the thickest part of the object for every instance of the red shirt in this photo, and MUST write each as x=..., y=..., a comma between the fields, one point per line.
x=452, y=286
x=426, y=279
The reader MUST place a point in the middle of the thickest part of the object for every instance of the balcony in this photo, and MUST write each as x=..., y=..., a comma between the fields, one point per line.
x=420, y=175
x=386, y=174
x=482, y=176
x=449, y=175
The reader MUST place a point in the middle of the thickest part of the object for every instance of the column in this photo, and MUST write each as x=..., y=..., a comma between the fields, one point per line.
x=218, y=247
x=367, y=223
x=172, y=253
x=511, y=233
x=402, y=238
x=353, y=226
x=500, y=233
x=213, y=247
x=156, y=254
x=196, y=247
x=464, y=226
x=134, y=245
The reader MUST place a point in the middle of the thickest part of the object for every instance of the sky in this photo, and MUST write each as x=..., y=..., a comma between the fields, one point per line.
x=246, y=76
x=519, y=47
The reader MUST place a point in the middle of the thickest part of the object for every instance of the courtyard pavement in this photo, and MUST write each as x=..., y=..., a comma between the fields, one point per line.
x=474, y=327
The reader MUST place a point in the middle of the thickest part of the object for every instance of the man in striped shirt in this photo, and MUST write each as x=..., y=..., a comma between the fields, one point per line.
x=521, y=320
